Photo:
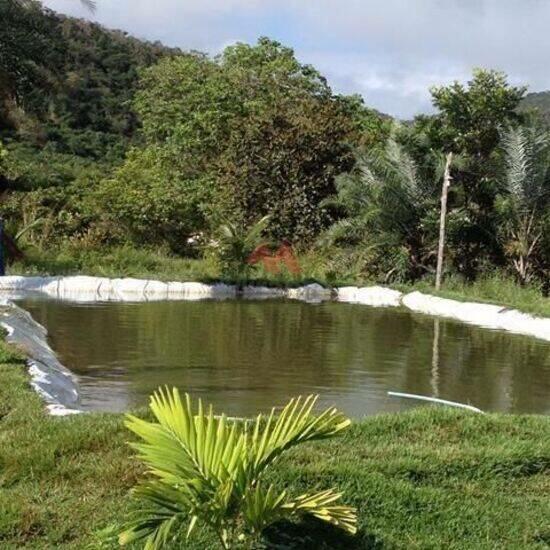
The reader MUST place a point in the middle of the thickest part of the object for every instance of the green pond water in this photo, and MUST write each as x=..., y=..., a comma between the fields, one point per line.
x=246, y=355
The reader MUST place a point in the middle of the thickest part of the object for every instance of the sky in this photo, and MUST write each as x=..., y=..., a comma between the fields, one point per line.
x=389, y=51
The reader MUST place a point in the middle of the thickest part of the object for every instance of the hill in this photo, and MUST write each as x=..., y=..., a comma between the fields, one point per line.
x=67, y=83
x=539, y=102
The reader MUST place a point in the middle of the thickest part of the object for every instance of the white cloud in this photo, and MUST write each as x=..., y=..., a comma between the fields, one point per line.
x=389, y=50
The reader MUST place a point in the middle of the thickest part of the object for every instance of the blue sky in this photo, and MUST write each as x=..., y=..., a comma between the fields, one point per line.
x=389, y=51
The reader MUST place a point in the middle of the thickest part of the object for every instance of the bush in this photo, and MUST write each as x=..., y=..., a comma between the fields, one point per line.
x=150, y=203
x=207, y=471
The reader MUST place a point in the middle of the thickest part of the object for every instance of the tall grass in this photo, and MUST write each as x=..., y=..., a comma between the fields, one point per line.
x=495, y=288
x=323, y=268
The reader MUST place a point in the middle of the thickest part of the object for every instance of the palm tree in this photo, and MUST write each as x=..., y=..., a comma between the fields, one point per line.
x=383, y=201
x=207, y=471
x=89, y=4
x=235, y=245
x=525, y=188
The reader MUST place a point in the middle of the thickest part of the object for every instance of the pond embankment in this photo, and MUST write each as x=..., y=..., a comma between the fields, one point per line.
x=59, y=387
x=90, y=289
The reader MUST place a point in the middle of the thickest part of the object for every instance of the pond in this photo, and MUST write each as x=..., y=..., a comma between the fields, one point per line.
x=246, y=355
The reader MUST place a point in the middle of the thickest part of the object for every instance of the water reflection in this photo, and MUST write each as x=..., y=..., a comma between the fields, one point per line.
x=245, y=356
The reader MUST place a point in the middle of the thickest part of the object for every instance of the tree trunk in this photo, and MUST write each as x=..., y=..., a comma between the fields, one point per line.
x=443, y=216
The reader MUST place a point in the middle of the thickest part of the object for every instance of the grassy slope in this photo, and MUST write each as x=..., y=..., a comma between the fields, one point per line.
x=129, y=262
x=426, y=479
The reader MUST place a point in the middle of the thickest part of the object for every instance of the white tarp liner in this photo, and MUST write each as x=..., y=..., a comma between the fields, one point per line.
x=310, y=293
x=483, y=315
x=252, y=291
x=90, y=289
x=59, y=387
x=56, y=384
x=369, y=296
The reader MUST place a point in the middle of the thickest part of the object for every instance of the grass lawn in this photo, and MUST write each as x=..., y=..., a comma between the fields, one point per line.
x=432, y=478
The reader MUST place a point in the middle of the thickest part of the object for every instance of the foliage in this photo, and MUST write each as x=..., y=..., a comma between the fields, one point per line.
x=389, y=203
x=65, y=120
x=145, y=206
x=266, y=130
x=208, y=470
x=524, y=204
x=3, y=155
x=469, y=122
x=371, y=128
x=113, y=141
x=470, y=118
x=234, y=246
x=69, y=83
x=536, y=105
x=387, y=209
x=50, y=186
x=424, y=478
x=22, y=37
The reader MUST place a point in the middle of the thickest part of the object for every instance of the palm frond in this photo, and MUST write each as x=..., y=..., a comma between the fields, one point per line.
x=295, y=424
x=402, y=169
x=29, y=227
x=207, y=468
x=526, y=155
x=91, y=5
x=321, y=505
x=263, y=507
x=254, y=233
x=517, y=161
x=339, y=230
x=165, y=512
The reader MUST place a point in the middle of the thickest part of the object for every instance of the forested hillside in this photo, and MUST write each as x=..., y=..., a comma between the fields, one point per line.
x=69, y=111
x=66, y=115
x=66, y=88
x=110, y=143
x=538, y=102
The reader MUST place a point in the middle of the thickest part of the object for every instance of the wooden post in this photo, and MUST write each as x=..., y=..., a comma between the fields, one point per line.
x=443, y=216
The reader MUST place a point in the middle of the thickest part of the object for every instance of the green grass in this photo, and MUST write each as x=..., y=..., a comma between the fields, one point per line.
x=431, y=478
x=494, y=288
x=115, y=262
x=145, y=263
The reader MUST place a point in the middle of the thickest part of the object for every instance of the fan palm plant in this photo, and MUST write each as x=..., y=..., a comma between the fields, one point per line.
x=235, y=245
x=383, y=201
x=207, y=471
x=526, y=185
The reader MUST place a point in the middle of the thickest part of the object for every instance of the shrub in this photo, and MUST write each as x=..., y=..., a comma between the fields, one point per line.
x=207, y=471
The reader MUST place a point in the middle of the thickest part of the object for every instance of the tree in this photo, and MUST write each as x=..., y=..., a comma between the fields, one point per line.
x=267, y=129
x=468, y=123
x=207, y=471
x=470, y=117
x=525, y=196
x=147, y=202
x=67, y=84
x=442, y=221
x=387, y=207
x=22, y=41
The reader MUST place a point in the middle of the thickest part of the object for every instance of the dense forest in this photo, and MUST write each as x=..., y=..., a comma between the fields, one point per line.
x=110, y=141
x=539, y=103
